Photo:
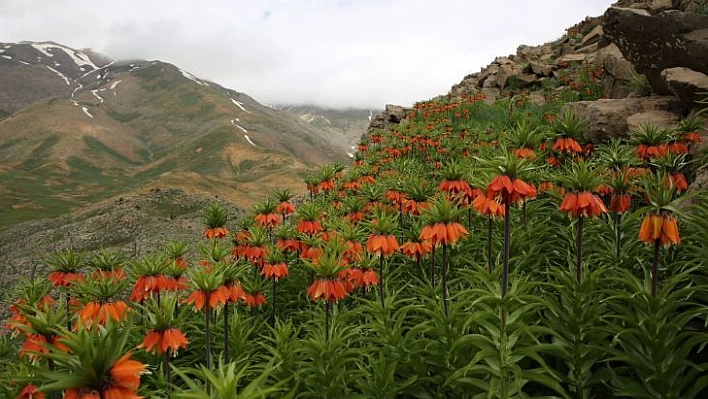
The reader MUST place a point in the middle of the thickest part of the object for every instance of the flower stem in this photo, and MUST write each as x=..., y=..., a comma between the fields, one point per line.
x=618, y=232
x=168, y=372
x=382, y=292
x=490, y=244
x=328, y=310
x=207, y=333
x=507, y=244
x=226, y=332
x=275, y=316
x=655, y=268
x=579, y=251
x=444, y=280
x=432, y=266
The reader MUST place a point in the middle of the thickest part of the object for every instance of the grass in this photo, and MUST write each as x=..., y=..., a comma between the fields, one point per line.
x=123, y=117
x=100, y=148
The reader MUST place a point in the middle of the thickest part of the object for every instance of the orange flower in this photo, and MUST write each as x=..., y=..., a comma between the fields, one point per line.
x=443, y=233
x=275, y=271
x=659, y=227
x=285, y=208
x=620, y=203
x=454, y=187
x=255, y=300
x=383, y=245
x=215, y=298
x=160, y=341
x=416, y=250
x=100, y=312
x=268, y=220
x=216, y=232
x=309, y=227
x=126, y=374
x=30, y=392
x=584, y=203
x=678, y=180
x=567, y=145
x=145, y=286
x=487, y=206
x=516, y=190
x=527, y=153
x=328, y=290
x=65, y=279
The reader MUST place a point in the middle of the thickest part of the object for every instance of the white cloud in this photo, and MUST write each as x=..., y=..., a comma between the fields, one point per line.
x=363, y=53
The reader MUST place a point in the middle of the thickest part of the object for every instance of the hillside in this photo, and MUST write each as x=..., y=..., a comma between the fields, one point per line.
x=77, y=128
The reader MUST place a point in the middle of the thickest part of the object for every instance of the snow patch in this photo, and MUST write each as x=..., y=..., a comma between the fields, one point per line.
x=8, y=45
x=26, y=63
x=249, y=140
x=370, y=115
x=87, y=112
x=2, y=50
x=238, y=126
x=75, y=103
x=80, y=58
x=6, y=56
x=350, y=155
x=68, y=82
x=95, y=93
x=190, y=77
x=239, y=104
x=114, y=84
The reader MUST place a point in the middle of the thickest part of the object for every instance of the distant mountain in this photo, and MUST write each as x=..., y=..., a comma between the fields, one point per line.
x=77, y=127
x=349, y=123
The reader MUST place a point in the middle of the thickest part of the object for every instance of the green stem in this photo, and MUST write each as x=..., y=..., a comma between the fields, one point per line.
x=168, y=372
x=328, y=310
x=275, y=315
x=432, y=266
x=579, y=251
x=444, y=280
x=507, y=244
x=655, y=269
x=382, y=291
x=490, y=244
x=207, y=332
x=618, y=232
x=226, y=333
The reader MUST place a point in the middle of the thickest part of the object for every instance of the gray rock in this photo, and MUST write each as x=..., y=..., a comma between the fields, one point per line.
x=608, y=118
x=657, y=42
x=686, y=84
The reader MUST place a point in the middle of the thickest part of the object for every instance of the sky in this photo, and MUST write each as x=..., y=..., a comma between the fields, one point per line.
x=331, y=53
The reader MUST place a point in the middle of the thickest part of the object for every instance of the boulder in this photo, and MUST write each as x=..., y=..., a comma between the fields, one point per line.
x=608, y=118
x=661, y=119
x=592, y=37
x=686, y=84
x=657, y=42
x=391, y=115
x=572, y=57
x=539, y=68
x=618, y=71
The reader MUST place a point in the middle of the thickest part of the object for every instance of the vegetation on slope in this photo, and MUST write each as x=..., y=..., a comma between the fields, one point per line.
x=475, y=251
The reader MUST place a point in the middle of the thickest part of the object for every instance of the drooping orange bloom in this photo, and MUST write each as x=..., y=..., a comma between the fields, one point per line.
x=583, y=203
x=414, y=207
x=652, y=151
x=383, y=245
x=213, y=299
x=309, y=227
x=516, y=190
x=34, y=345
x=326, y=185
x=487, y=206
x=659, y=227
x=65, y=279
x=454, y=187
x=216, y=232
x=545, y=186
x=353, y=253
x=285, y=208
x=328, y=290
x=160, y=342
x=396, y=197
x=288, y=244
x=357, y=277
x=527, y=153
x=99, y=313
x=275, y=271
x=255, y=300
x=416, y=250
x=678, y=180
x=567, y=145
x=145, y=286
x=30, y=392
x=604, y=189
x=678, y=148
x=620, y=203
x=443, y=233
x=268, y=220
x=126, y=374
x=691, y=137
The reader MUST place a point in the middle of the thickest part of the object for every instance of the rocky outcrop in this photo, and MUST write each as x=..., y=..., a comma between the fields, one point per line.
x=654, y=42
x=608, y=118
x=391, y=115
x=686, y=84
